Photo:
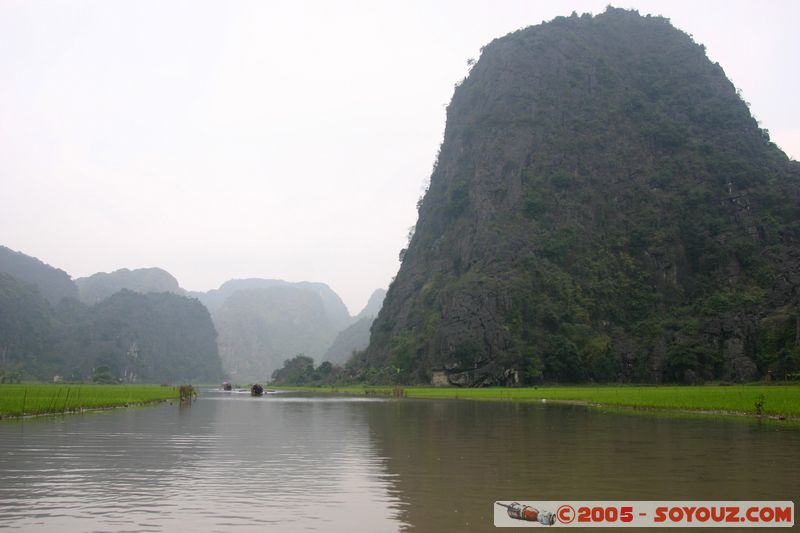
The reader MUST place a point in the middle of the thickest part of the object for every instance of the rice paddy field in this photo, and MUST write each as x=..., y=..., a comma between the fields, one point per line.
x=770, y=400
x=24, y=400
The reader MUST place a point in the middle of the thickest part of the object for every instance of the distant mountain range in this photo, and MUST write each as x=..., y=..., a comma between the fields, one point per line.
x=53, y=284
x=374, y=304
x=100, y=286
x=262, y=322
x=334, y=307
x=355, y=337
x=45, y=331
x=52, y=325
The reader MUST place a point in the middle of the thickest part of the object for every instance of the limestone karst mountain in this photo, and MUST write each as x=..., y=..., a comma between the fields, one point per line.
x=52, y=283
x=259, y=328
x=154, y=337
x=101, y=285
x=604, y=207
x=356, y=336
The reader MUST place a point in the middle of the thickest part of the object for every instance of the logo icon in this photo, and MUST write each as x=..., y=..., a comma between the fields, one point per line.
x=527, y=513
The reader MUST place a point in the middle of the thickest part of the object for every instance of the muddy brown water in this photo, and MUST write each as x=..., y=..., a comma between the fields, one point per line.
x=302, y=462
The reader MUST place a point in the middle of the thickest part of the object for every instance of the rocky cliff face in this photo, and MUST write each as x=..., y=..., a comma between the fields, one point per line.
x=604, y=207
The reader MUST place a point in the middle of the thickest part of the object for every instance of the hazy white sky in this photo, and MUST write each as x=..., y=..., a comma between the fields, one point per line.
x=223, y=139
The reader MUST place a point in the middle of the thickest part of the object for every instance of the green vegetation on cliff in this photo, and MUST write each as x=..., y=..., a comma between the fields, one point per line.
x=132, y=337
x=26, y=322
x=139, y=325
x=53, y=283
x=141, y=338
x=604, y=208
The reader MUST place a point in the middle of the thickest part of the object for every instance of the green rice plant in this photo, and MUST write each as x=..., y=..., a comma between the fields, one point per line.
x=769, y=400
x=26, y=399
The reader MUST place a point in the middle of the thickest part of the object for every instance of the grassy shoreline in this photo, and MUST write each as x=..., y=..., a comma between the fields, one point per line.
x=21, y=400
x=774, y=401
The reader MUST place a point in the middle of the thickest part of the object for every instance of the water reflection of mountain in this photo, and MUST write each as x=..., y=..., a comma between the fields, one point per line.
x=452, y=459
x=226, y=463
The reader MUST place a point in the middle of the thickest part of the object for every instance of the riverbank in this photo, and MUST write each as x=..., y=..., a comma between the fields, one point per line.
x=773, y=401
x=21, y=400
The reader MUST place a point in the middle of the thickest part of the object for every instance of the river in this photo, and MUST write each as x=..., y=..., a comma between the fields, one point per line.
x=303, y=462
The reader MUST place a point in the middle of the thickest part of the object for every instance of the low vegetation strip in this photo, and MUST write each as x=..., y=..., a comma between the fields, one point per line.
x=25, y=400
x=770, y=400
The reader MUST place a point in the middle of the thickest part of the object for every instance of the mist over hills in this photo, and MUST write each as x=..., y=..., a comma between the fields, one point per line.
x=260, y=328
x=604, y=207
x=355, y=337
x=101, y=285
x=46, y=331
x=53, y=283
x=143, y=326
x=155, y=337
x=374, y=304
x=25, y=326
x=334, y=307
x=263, y=322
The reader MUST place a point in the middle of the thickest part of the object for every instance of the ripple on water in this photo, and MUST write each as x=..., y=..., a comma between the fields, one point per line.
x=292, y=463
x=218, y=465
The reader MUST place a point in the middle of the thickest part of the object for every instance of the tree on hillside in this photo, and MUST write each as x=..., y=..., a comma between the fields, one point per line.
x=295, y=371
